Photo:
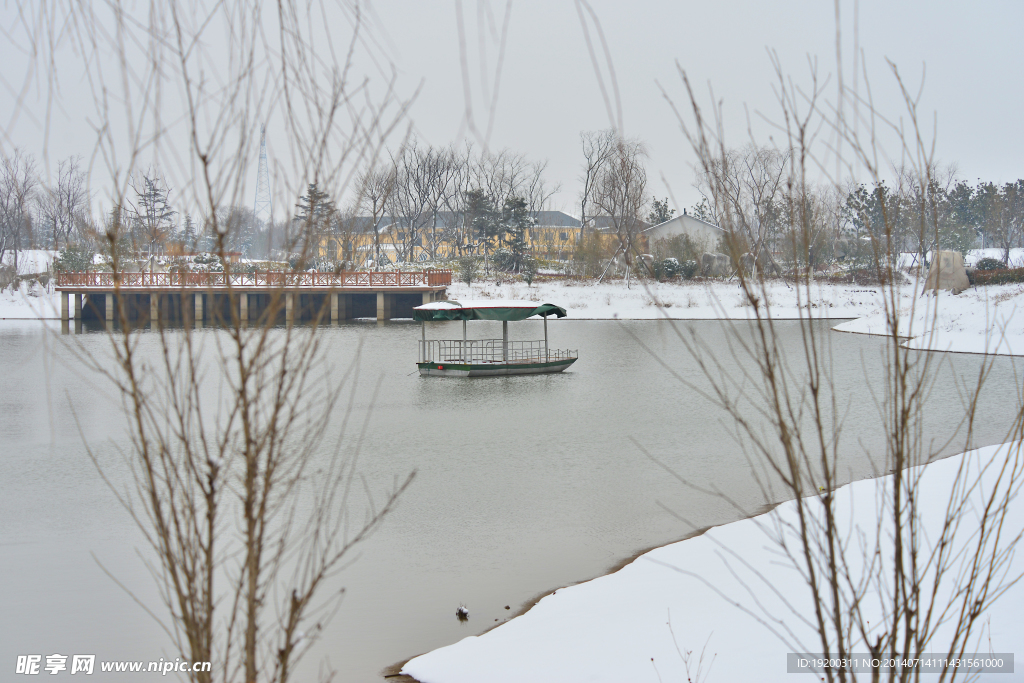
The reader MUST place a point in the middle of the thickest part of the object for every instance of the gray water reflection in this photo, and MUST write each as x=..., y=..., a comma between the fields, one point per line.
x=525, y=483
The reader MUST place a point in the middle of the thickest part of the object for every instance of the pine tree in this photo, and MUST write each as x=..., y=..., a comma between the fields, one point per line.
x=482, y=217
x=515, y=221
x=152, y=216
x=660, y=212
x=188, y=236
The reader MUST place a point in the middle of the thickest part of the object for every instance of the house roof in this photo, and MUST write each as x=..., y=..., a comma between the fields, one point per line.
x=683, y=218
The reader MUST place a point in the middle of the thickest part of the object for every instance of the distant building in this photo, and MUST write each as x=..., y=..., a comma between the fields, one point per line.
x=705, y=235
x=554, y=236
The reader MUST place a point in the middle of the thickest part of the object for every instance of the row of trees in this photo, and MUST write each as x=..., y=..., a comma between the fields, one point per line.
x=456, y=201
x=35, y=213
x=445, y=199
x=746, y=188
x=435, y=199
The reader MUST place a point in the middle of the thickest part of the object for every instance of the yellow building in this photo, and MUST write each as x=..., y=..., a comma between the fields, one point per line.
x=553, y=238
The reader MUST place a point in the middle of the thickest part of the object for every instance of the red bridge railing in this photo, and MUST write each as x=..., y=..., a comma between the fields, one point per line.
x=268, y=279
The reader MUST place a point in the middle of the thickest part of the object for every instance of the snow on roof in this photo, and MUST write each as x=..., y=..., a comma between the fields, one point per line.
x=480, y=303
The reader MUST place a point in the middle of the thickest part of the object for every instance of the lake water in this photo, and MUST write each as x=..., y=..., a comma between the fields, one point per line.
x=524, y=484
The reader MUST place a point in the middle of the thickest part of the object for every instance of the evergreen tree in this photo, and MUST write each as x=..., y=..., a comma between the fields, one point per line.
x=315, y=206
x=315, y=220
x=660, y=212
x=152, y=215
x=188, y=233
x=515, y=221
x=702, y=211
x=482, y=218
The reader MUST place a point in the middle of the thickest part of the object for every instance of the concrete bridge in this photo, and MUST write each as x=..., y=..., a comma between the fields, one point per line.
x=186, y=296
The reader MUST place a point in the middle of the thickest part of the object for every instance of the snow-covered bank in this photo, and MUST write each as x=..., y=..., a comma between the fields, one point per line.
x=980, y=320
x=30, y=301
x=648, y=300
x=616, y=628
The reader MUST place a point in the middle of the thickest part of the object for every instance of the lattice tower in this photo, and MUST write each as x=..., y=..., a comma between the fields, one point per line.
x=263, y=209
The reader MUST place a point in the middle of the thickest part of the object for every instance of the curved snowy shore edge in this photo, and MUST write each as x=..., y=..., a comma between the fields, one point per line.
x=979, y=320
x=637, y=624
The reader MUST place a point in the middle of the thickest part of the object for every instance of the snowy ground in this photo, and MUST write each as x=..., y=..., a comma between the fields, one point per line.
x=31, y=261
x=980, y=320
x=638, y=623
x=676, y=300
x=1016, y=256
x=29, y=301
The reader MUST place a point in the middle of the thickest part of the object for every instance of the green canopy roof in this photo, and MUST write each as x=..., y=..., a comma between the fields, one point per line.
x=487, y=309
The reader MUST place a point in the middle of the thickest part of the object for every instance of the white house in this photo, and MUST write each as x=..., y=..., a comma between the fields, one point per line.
x=701, y=232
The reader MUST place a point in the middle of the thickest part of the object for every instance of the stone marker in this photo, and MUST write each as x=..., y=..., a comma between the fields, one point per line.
x=947, y=272
x=715, y=265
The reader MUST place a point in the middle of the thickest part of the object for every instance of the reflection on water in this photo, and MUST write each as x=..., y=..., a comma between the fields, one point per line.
x=525, y=483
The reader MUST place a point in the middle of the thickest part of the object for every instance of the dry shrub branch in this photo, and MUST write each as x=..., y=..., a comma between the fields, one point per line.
x=909, y=576
x=242, y=478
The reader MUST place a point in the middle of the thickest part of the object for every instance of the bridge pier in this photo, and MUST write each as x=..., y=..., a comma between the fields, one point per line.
x=385, y=305
x=243, y=307
x=289, y=307
x=78, y=307
x=154, y=310
x=198, y=299
x=64, y=307
x=341, y=306
x=108, y=308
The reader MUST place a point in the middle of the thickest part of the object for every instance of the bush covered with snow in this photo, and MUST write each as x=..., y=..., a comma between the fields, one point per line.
x=990, y=264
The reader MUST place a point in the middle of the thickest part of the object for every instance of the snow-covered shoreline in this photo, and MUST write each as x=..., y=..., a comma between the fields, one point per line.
x=979, y=320
x=635, y=624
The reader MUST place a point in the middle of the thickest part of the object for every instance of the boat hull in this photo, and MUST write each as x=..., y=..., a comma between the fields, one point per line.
x=493, y=369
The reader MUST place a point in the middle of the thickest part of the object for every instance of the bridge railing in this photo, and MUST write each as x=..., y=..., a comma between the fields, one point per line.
x=269, y=279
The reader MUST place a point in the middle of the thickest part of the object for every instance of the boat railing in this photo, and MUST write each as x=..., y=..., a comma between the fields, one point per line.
x=480, y=351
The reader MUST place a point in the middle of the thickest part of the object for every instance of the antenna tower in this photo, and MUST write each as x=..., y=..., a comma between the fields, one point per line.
x=263, y=209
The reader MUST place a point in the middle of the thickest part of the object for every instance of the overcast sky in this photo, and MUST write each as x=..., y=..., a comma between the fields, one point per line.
x=971, y=53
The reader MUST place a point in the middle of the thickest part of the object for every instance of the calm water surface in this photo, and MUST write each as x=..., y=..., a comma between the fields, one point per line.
x=524, y=483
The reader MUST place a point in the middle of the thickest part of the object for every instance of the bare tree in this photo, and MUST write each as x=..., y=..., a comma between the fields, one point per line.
x=408, y=203
x=62, y=204
x=743, y=188
x=375, y=188
x=439, y=173
x=621, y=193
x=598, y=149
x=535, y=189
x=904, y=583
x=17, y=192
x=246, y=508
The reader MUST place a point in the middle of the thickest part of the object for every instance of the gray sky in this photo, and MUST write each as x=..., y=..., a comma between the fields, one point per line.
x=972, y=53
x=549, y=91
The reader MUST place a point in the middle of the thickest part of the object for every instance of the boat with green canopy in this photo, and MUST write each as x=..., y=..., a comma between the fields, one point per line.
x=488, y=357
